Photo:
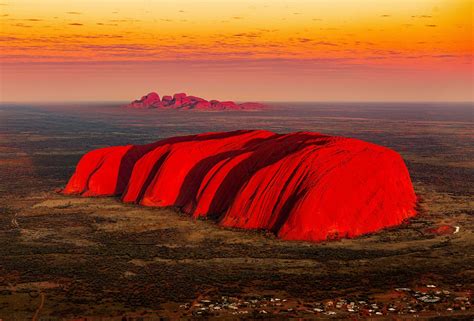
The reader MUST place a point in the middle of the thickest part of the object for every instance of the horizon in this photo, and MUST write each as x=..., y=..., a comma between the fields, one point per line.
x=37, y=102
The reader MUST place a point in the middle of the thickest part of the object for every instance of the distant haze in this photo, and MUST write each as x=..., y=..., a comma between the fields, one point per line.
x=243, y=50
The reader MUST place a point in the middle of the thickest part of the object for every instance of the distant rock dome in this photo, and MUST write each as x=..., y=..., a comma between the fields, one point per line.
x=182, y=101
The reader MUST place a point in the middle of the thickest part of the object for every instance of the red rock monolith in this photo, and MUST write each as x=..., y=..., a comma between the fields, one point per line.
x=301, y=186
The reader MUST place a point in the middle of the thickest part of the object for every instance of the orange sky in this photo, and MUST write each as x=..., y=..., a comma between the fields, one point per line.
x=250, y=50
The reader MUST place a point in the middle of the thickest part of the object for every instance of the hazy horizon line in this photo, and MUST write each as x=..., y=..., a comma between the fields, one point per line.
x=241, y=101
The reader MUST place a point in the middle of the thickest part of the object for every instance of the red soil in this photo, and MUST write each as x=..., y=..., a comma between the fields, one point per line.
x=442, y=230
x=301, y=186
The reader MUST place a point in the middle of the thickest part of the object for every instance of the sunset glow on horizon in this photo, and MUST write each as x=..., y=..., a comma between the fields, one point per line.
x=244, y=50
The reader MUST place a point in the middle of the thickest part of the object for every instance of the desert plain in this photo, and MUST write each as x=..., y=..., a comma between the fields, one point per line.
x=97, y=258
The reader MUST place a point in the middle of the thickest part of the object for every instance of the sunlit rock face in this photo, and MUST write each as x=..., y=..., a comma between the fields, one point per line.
x=301, y=186
x=182, y=101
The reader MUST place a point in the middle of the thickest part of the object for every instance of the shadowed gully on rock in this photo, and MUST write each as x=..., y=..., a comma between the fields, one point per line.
x=300, y=186
x=182, y=101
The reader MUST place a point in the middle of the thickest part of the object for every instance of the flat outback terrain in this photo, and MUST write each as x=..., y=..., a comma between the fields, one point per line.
x=97, y=258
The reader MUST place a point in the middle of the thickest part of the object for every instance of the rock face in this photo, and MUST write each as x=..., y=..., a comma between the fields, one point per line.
x=301, y=186
x=182, y=101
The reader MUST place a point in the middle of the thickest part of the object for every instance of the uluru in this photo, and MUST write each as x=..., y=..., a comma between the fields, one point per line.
x=181, y=101
x=300, y=186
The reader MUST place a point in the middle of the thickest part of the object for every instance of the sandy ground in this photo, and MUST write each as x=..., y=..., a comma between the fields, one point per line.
x=67, y=258
x=64, y=256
